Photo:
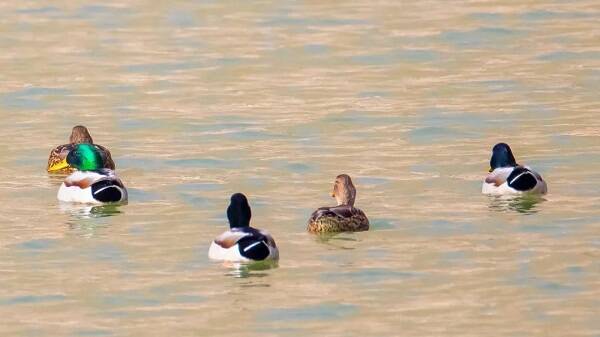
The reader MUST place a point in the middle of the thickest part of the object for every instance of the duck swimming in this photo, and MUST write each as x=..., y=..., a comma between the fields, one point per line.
x=91, y=183
x=242, y=242
x=79, y=135
x=341, y=218
x=508, y=177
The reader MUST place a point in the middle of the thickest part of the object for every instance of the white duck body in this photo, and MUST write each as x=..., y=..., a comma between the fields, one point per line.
x=514, y=180
x=243, y=244
x=94, y=187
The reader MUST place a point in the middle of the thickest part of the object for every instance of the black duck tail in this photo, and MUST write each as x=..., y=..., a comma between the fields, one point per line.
x=522, y=179
x=108, y=191
x=253, y=249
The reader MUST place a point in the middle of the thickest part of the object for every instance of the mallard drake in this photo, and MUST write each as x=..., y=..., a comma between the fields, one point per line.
x=91, y=183
x=341, y=218
x=79, y=135
x=508, y=177
x=242, y=242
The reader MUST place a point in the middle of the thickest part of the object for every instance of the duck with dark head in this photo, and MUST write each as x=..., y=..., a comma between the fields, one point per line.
x=341, y=218
x=508, y=177
x=79, y=135
x=242, y=243
x=91, y=182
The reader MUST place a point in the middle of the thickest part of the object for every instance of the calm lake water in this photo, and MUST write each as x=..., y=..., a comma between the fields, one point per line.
x=200, y=99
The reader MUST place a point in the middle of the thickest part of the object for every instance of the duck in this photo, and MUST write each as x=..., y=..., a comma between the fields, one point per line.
x=242, y=243
x=79, y=135
x=91, y=183
x=341, y=218
x=506, y=177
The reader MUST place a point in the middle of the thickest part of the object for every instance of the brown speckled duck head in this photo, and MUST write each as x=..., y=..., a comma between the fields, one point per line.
x=343, y=190
x=79, y=135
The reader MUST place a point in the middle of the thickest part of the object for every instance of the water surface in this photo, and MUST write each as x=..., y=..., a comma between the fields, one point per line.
x=197, y=100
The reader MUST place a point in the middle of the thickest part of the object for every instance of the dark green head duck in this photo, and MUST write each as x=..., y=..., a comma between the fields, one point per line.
x=85, y=157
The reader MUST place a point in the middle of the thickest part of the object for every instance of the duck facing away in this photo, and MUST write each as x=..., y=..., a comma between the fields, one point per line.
x=91, y=183
x=341, y=218
x=79, y=135
x=508, y=177
x=242, y=243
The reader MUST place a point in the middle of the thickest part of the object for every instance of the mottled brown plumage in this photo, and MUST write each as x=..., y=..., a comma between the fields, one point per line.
x=79, y=135
x=338, y=219
x=341, y=218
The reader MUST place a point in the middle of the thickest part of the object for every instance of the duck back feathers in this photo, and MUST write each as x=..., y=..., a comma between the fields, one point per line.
x=101, y=186
x=244, y=244
x=342, y=218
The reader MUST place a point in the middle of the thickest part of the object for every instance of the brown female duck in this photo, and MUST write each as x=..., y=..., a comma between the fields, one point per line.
x=57, y=162
x=341, y=218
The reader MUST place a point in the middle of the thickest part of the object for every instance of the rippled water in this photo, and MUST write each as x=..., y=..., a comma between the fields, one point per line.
x=200, y=99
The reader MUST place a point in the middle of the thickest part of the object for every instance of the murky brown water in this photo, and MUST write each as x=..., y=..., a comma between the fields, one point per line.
x=201, y=99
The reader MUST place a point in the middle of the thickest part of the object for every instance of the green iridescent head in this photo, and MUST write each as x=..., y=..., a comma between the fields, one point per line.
x=85, y=157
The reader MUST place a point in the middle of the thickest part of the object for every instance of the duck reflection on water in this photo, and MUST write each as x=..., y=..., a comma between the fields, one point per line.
x=526, y=203
x=249, y=269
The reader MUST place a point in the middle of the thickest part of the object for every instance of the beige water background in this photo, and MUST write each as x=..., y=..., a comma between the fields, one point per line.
x=200, y=99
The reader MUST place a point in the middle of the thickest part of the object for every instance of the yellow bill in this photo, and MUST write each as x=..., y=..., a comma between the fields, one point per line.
x=61, y=165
